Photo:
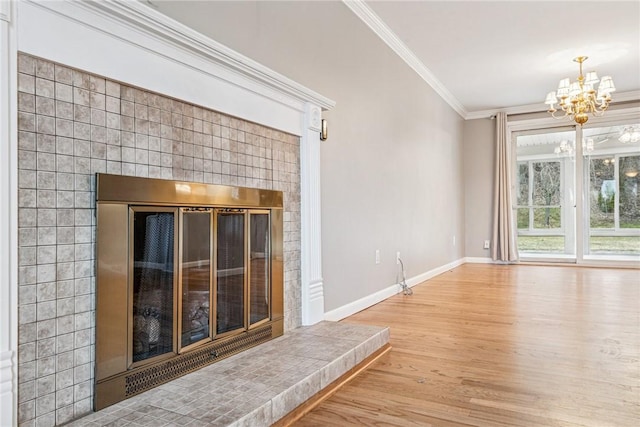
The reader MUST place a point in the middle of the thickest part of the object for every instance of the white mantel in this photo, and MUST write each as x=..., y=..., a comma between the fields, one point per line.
x=133, y=43
x=8, y=217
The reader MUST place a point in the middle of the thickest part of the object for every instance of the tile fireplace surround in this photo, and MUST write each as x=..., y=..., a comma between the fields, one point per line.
x=71, y=125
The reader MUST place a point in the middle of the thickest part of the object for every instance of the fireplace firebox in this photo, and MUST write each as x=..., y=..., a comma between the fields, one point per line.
x=187, y=274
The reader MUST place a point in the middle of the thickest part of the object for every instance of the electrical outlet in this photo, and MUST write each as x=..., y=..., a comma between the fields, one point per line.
x=397, y=257
x=454, y=240
x=377, y=256
x=486, y=244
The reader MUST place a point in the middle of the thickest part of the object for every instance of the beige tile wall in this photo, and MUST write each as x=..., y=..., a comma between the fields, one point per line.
x=72, y=125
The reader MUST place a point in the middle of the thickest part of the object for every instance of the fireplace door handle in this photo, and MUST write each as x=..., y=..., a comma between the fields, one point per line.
x=197, y=209
x=229, y=210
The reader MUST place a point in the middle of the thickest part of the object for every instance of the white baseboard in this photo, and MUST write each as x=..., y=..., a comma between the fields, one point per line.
x=359, y=305
x=366, y=302
x=434, y=272
x=478, y=260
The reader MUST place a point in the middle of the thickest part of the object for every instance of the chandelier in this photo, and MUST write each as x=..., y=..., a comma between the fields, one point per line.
x=579, y=99
x=630, y=134
x=567, y=148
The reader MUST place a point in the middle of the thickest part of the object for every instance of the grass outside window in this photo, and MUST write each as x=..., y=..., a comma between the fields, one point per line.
x=622, y=245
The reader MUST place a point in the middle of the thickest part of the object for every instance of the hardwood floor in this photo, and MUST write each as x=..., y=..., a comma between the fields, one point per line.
x=486, y=345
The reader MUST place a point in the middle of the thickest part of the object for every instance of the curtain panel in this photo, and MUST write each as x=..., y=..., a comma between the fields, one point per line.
x=504, y=246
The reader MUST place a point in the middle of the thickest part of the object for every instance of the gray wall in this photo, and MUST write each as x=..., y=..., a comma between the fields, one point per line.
x=479, y=160
x=392, y=167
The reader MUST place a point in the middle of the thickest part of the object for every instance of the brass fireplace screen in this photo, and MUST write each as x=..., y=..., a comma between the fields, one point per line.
x=187, y=274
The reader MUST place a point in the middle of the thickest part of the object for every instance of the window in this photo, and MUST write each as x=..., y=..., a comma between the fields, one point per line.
x=608, y=222
x=543, y=210
x=612, y=211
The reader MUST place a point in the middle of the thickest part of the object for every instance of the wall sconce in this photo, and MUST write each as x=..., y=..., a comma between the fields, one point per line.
x=323, y=130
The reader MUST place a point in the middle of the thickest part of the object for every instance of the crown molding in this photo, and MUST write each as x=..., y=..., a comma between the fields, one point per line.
x=633, y=95
x=5, y=11
x=520, y=109
x=373, y=21
x=144, y=18
x=539, y=107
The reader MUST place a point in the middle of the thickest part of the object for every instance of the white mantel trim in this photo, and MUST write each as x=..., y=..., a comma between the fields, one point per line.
x=131, y=42
x=138, y=15
x=8, y=217
x=311, y=237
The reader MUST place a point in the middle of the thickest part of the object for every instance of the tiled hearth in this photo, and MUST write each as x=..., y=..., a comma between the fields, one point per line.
x=255, y=388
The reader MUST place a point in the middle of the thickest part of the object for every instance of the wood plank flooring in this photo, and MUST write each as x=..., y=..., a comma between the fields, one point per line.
x=486, y=345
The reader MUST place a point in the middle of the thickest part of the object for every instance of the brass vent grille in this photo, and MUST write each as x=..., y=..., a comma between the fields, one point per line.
x=153, y=376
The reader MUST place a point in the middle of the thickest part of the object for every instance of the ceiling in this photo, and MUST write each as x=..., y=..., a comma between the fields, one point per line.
x=483, y=56
x=491, y=54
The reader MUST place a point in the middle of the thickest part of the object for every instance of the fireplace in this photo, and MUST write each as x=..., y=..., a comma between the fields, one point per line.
x=187, y=274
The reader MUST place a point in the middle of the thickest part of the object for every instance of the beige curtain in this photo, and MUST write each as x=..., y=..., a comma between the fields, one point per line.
x=504, y=234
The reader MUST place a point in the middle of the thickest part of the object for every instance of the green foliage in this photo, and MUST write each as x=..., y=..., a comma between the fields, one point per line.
x=629, y=193
x=546, y=218
x=602, y=221
x=607, y=202
x=523, y=218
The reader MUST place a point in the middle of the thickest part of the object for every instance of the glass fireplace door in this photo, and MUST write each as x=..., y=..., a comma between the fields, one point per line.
x=259, y=271
x=230, y=270
x=195, y=276
x=153, y=247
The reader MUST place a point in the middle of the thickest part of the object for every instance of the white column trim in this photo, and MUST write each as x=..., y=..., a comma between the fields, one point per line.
x=8, y=216
x=311, y=251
